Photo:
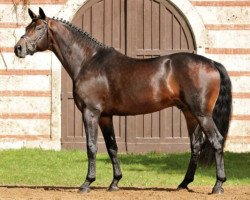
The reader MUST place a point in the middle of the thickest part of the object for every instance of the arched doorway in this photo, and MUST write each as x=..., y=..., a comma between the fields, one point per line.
x=142, y=29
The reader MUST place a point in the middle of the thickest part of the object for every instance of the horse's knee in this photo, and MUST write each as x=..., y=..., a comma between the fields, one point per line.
x=91, y=150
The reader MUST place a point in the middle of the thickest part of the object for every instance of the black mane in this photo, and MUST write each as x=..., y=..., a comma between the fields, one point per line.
x=81, y=32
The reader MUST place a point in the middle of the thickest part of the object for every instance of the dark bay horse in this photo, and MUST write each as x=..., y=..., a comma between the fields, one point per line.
x=107, y=83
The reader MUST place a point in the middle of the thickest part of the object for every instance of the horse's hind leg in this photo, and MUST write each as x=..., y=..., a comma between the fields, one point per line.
x=216, y=140
x=106, y=125
x=196, y=142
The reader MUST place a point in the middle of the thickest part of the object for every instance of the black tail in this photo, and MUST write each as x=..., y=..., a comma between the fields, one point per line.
x=221, y=114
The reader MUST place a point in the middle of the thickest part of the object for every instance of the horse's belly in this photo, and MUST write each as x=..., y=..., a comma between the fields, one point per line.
x=137, y=108
x=141, y=101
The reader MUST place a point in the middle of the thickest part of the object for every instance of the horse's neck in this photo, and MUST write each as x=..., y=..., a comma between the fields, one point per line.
x=72, y=51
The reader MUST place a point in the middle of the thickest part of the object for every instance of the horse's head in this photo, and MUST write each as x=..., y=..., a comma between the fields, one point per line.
x=36, y=37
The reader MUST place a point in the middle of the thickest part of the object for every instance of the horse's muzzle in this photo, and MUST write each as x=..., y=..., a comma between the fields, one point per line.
x=20, y=51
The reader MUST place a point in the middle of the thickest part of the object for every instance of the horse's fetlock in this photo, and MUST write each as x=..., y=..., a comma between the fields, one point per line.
x=222, y=179
x=189, y=180
x=91, y=179
x=118, y=177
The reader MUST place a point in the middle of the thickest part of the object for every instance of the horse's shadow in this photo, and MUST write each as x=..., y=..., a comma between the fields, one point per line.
x=156, y=189
x=162, y=190
x=70, y=188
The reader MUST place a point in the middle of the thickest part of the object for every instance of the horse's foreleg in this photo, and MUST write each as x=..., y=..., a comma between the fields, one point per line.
x=90, y=119
x=196, y=141
x=106, y=125
x=216, y=140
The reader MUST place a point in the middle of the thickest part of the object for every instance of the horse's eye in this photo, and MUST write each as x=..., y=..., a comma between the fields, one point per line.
x=38, y=28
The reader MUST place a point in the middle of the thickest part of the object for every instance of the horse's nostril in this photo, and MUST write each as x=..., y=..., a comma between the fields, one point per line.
x=19, y=48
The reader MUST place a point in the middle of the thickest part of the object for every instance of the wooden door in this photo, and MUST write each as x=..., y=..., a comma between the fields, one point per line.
x=141, y=29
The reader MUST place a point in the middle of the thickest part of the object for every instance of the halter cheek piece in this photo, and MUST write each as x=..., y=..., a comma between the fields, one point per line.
x=34, y=42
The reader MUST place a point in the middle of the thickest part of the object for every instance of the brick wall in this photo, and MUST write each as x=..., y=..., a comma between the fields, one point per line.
x=30, y=89
x=227, y=25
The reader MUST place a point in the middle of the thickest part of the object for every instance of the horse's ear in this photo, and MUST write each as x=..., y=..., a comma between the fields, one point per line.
x=42, y=14
x=32, y=15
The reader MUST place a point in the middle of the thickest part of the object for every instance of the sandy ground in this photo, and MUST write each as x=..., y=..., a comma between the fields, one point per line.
x=231, y=192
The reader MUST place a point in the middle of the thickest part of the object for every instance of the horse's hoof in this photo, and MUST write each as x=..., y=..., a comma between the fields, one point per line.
x=113, y=188
x=182, y=187
x=84, y=190
x=218, y=190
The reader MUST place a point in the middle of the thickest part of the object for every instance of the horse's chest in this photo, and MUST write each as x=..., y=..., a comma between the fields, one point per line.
x=91, y=93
